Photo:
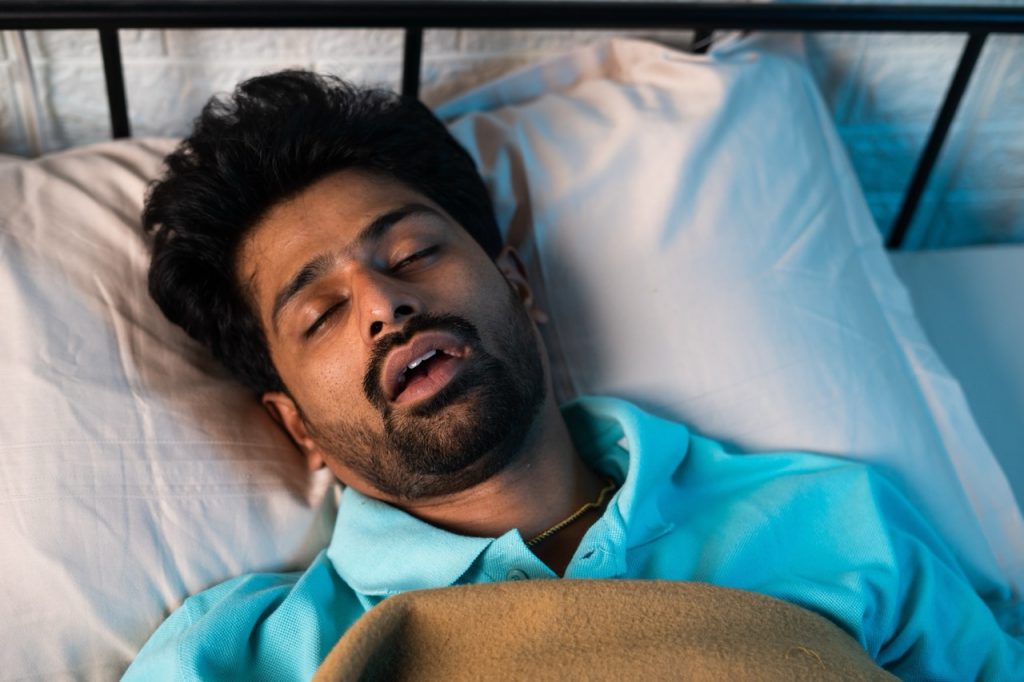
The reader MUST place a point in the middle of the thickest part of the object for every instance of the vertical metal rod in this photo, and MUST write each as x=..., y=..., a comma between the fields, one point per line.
x=701, y=40
x=968, y=60
x=412, y=54
x=110, y=46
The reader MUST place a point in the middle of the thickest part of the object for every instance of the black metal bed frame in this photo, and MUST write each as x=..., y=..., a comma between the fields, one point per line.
x=414, y=16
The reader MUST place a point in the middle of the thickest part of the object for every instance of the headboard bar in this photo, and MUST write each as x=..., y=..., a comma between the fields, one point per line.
x=502, y=14
x=113, y=73
x=412, y=53
x=918, y=182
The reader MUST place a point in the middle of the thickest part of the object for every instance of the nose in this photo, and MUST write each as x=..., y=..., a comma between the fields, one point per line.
x=384, y=305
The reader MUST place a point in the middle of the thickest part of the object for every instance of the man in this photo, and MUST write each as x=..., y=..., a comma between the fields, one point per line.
x=337, y=250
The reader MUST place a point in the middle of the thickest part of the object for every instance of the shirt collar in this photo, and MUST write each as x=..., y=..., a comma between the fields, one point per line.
x=640, y=450
x=380, y=550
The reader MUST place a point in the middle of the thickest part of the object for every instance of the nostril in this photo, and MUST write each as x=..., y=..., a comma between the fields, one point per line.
x=402, y=310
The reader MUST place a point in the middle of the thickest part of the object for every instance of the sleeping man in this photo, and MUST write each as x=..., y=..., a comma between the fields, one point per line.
x=337, y=250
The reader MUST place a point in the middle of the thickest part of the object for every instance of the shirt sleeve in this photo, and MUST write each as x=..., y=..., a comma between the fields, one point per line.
x=206, y=638
x=256, y=627
x=928, y=622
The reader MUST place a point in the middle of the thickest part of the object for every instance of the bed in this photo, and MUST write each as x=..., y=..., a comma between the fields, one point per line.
x=134, y=473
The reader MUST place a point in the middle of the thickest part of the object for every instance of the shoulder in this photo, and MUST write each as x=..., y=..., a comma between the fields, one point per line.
x=830, y=503
x=800, y=471
x=296, y=617
x=795, y=473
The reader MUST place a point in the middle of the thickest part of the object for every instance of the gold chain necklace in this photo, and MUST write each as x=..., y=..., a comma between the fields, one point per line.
x=596, y=504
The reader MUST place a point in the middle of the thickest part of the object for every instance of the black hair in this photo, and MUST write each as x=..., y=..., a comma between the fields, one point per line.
x=270, y=139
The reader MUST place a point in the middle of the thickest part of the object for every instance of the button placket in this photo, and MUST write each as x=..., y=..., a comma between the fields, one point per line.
x=516, y=574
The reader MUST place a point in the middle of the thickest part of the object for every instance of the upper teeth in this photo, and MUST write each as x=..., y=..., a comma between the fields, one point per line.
x=426, y=356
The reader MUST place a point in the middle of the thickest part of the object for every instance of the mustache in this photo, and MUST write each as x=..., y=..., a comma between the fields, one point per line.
x=459, y=327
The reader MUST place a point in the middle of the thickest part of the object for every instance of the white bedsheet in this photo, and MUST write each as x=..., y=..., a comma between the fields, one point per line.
x=968, y=301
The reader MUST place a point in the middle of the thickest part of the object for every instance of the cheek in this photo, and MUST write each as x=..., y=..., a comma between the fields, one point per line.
x=339, y=383
x=498, y=297
x=327, y=385
x=487, y=298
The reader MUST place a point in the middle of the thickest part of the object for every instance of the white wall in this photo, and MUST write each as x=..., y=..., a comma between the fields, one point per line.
x=883, y=90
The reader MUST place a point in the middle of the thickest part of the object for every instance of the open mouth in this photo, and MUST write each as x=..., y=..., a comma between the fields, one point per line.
x=423, y=367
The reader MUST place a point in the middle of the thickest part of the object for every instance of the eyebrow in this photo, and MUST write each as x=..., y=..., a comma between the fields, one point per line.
x=317, y=266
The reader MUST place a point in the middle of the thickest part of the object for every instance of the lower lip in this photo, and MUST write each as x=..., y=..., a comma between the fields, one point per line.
x=440, y=373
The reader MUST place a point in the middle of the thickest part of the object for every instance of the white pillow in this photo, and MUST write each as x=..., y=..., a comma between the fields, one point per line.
x=704, y=249
x=131, y=472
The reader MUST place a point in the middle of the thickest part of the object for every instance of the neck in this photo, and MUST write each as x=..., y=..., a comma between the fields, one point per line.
x=546, y=484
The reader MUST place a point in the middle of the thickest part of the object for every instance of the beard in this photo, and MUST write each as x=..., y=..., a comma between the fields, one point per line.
x=468, y=431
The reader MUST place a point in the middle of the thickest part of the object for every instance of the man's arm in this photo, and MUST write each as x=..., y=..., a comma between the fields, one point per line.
x=266, y=626
x=928, y=622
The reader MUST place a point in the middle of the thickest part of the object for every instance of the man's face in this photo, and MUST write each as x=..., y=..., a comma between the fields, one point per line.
x=412, y=365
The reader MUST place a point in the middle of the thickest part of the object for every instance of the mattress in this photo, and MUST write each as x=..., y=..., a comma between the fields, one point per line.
x=968, y=302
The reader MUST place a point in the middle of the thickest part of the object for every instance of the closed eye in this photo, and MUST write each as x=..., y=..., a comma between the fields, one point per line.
x=423, y=253
x=326, y=315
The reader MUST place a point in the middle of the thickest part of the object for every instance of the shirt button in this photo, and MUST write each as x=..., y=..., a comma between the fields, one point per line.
x=516, y=574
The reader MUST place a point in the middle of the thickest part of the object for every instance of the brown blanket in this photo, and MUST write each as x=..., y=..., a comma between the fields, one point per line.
x=594, y=629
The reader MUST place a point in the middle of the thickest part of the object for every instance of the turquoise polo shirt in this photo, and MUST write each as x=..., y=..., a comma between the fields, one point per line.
x=823, y=533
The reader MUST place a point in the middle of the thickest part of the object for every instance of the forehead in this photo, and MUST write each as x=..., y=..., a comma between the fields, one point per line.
x=326, y=216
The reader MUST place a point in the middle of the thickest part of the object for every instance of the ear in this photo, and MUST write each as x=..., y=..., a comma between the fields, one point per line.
x=511, y=266
x=286, y=413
